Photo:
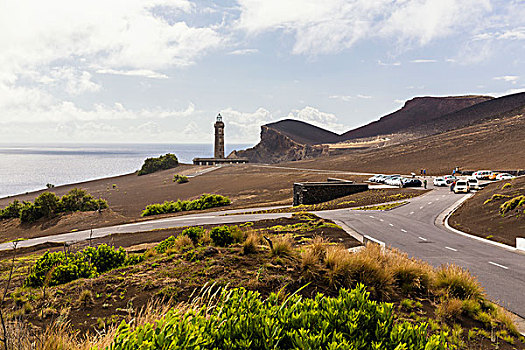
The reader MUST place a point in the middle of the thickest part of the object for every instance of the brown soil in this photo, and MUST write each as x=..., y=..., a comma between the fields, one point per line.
x=485, y=220
x=128, y=195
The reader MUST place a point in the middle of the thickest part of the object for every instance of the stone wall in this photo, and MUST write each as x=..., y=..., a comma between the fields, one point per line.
x=318, y=192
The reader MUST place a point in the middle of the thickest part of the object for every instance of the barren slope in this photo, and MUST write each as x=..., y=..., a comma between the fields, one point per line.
x=481, y=216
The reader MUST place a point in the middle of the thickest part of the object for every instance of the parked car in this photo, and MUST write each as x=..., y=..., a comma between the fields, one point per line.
x=380, y=178
x=373, y=178
x=450, y=179
x=411, y=182
x=482, y=174
x=396, y=181
x=493, y=175
x=387, y=178
x=461, y=186
x=504, y=176
x=440, y=181
x=473, y=183
x=393, y=180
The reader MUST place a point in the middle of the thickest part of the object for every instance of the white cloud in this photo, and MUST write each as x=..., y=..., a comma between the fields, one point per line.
x=315, y=117
x=364, y=96
x=246, y=126
x=333, y=25
x=423, y=61
x=508, y=78
x=244, y=52
x=134, y=72
x=345, y=98
x=379, y=62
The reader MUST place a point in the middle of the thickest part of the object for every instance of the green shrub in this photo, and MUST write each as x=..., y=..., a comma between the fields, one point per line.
x=242, y=320
x=221, y=236
x=205, y=201
x=495, y=197
x=164, y=162
x=195, y=233
x=12, y=211
x=105, y=257
x=165, y=245
x=79, y=200
x=29, y=212
x=49, y=204
x=512, y=204
x=180, y=179
x=58, y=267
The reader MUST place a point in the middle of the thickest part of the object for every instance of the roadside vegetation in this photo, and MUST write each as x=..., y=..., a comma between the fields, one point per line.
x=180, y=179
x=151, y=165
x=49, y=205
x=205, y=201
x=293, y=281
x=355, y=200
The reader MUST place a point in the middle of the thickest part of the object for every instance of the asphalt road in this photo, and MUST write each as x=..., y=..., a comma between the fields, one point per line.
x=412, y=228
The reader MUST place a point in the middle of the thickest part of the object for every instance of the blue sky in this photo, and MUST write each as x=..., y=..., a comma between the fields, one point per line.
x=160, y=70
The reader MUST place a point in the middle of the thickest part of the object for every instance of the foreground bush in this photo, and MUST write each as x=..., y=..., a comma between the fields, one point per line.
x=221, y=236
x=57, y=268
x=240, y=319
x=164, y=162
x=49, y=204
x=206, y=201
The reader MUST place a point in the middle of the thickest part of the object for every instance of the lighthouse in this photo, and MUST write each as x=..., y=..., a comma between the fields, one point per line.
x=219, y=137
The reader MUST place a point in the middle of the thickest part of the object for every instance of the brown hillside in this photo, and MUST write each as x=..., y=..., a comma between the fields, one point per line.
x=496, y=144
x=481, y=216
x=304, y=133
x=415, y=113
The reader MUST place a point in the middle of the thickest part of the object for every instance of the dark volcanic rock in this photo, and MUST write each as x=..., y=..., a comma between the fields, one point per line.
x=276, y=147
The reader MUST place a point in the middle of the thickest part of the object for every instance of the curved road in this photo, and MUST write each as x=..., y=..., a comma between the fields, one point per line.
x=411, y=228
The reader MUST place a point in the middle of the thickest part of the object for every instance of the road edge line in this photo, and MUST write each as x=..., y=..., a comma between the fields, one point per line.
x=350, y=231
x=443, y=220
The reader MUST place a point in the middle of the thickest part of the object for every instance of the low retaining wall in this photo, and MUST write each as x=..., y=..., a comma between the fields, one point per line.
x=520, y=244
x=318, y=192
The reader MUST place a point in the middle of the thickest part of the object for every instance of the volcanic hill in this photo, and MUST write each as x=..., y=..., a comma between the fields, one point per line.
x=420, y=117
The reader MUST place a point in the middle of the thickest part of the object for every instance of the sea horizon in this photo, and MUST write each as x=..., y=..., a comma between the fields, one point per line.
x=28, y=167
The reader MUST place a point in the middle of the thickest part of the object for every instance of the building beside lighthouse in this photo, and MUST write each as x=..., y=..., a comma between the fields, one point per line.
x=218, y=151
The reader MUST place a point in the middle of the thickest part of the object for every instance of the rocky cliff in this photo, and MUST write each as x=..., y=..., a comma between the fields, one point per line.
x=275, y=146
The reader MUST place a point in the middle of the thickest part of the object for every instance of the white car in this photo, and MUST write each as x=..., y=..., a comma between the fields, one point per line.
x=461, y=186
x=439, y=181
x=473, y=183
x=482, y=174
x=504, y=176
x=392, y=181
x=396, y=181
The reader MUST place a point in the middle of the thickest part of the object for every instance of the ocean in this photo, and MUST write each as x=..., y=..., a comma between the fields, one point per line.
x=29, y=167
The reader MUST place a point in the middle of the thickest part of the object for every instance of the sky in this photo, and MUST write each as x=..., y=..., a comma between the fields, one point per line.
x=159, y=71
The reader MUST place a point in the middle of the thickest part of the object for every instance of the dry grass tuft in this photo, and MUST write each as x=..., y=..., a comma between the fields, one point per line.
x=449, y=309
x=252, y=242
x=459, y=283
x=506, y=318
x=180, y=243
x=282, y=246
x=369, y=266
x=85, y=298
x=411, y=276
